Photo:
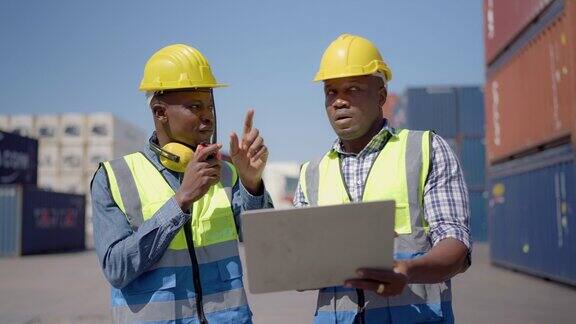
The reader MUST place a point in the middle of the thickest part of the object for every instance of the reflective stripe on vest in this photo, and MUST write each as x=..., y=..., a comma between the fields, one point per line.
x=166, y=290
x=399, y=173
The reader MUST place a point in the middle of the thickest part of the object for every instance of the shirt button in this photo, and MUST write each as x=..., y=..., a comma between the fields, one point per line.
x=359, y=182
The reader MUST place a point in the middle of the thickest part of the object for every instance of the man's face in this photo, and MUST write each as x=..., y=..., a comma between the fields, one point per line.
x=190, y=116
x=353, y=104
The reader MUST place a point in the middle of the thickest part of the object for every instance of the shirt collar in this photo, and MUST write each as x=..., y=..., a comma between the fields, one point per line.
x=376, y=143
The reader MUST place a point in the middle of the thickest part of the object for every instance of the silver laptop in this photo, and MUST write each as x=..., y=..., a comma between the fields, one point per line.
x=315, y=247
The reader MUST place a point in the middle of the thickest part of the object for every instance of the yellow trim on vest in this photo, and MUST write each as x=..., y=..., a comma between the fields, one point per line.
x=212, y=217
x=387, y=179
x=114, y=186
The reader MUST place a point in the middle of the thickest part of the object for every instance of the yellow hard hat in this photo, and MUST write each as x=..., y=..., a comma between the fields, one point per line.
x=177, y=66
x=351, y=55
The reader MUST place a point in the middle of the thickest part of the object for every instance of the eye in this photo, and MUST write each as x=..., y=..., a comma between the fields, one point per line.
x=354, y=88
x=329, y=92
x=193, y=107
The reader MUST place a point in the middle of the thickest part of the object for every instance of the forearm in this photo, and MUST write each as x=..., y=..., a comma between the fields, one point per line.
x=442, y=262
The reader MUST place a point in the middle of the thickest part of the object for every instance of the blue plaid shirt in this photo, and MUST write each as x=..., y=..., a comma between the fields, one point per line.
x=445, y=193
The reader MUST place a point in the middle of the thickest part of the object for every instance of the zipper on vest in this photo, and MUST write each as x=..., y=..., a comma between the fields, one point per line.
x=361, y=305
x=196, y=270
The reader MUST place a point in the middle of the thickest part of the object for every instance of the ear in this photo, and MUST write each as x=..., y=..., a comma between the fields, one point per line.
x=382, y=96
x=159, y=112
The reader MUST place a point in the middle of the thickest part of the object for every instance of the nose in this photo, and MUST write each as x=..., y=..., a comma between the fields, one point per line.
x=207, y=116
x=341, y=103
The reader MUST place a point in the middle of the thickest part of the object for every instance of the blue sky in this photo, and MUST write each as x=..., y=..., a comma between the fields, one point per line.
x=68, y=56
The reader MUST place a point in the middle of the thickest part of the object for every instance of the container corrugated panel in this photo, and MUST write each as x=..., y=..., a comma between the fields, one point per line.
x=531, y=100
x=470, y=101
x=478, y=215
x=10, y=211
x=432, y=108
x=472, y=158
x=40, y=221
x=18, y=159
x=532, y=214
x=52, y=221
x=505, y=19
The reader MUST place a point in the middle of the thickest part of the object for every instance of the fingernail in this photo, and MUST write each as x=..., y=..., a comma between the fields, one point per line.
x=347, y=285
x=360, y=273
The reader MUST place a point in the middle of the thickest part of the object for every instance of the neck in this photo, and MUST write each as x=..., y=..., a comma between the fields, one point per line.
x=163, y=139
x=358, y=144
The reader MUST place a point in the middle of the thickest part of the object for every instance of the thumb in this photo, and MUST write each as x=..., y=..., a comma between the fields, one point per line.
x=233, y=144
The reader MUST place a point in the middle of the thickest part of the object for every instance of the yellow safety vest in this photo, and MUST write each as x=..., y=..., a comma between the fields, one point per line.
x=399, y=173
x=210, y=272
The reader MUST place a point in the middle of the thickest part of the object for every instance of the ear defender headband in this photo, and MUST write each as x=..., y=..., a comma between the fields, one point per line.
x=174, y=156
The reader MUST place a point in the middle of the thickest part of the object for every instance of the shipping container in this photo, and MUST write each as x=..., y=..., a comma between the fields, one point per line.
x=18, y=159
x=531, y=214
x=73, y=129
x=504, y=20
x=49, y=157
x=36, y=221
x=47, y=129
x=531, y=100
x=478, y=215
x=96, y=154
x=432, y=108
x=72, y=182
x=470, y=103
x=48, y=180
x=472, y=159
x=72, y=158
x=106, y=129
x=22, y=125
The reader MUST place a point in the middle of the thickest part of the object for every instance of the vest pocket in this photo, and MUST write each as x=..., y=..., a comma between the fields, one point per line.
x=217, y=228
x=402, y=219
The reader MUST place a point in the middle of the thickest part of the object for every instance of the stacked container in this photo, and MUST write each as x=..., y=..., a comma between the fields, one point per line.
x=530, y=113
x=33, y=220
x=72, y=145
x=456, y=114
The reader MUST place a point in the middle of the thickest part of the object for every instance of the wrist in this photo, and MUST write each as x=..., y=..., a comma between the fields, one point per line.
x=183, y=201
x=406, y=268
x=254, y=187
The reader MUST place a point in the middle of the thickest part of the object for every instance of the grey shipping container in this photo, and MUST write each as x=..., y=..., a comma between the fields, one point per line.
x=452, y=112
x=18, y=159
x=478, y=215
x=470, y=103
x=35, y=221
x=531, y=214
x=432, y=108
x=472, y=155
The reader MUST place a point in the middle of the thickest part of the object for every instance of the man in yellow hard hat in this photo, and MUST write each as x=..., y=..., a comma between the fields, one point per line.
x=369, y=161
x=166, y=219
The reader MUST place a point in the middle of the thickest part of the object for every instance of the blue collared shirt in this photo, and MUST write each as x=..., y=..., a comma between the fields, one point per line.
x=125, y=254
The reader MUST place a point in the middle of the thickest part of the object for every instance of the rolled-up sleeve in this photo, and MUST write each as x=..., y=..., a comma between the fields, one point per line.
x=446, y=196
x=125, y=253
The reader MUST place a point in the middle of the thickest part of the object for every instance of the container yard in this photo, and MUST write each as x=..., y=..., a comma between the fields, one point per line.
x=530, y=111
